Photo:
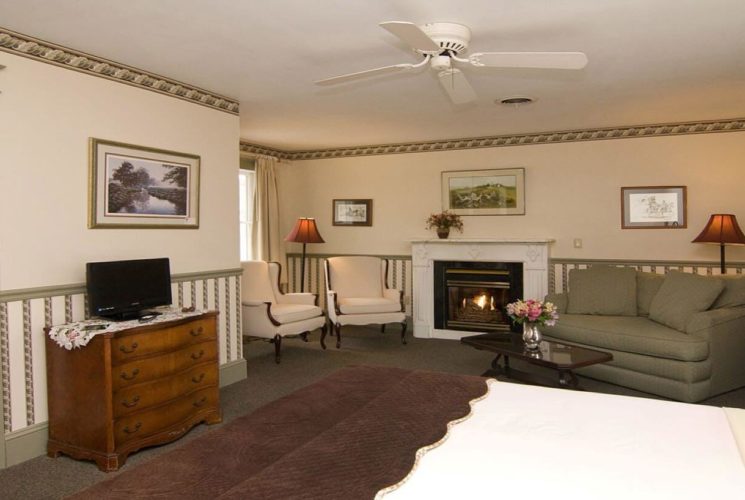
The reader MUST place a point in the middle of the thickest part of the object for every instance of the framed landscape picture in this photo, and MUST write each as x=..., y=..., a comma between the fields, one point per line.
x=653, y=207
x=484, y=192
x=141, y=187
x=352, y=212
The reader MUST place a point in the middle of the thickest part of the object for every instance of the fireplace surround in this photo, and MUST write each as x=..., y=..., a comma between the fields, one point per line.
x=530, y=255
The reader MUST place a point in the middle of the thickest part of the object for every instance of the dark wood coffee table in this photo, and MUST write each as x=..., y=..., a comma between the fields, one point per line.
x=560, y=357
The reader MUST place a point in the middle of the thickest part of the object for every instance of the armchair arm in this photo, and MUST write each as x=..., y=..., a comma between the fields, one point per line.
x=332, y=308
x=305, y=298
x=257, y=318
x=395, y=295
x=701, y=324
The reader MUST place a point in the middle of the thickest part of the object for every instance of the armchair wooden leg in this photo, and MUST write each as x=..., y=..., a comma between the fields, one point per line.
x=304, y=336
x=324, y=329
x=337, y=329
x=277, y=346
x=403, y=332
x=382, y=328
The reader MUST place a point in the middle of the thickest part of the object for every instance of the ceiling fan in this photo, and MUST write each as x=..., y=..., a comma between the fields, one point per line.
x=441, y=43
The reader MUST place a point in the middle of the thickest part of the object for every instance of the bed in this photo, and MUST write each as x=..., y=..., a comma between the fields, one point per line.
x=366, y=432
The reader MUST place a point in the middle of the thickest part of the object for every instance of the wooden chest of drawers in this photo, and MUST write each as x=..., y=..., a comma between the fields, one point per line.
x=131, y=389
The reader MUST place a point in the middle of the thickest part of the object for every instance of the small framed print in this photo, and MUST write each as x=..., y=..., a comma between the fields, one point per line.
x=653, y=207
x=352, y=212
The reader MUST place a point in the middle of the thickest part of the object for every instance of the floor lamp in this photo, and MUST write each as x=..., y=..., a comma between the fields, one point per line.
x=305, y=231
x=721, y=229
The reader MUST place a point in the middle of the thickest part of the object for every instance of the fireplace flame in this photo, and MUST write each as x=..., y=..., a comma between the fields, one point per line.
x=482, y=301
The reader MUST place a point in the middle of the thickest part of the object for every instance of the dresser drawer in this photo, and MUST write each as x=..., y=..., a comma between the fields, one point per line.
x=155, y=367
x=152, y=421
x=127, y=347
x=140, y=396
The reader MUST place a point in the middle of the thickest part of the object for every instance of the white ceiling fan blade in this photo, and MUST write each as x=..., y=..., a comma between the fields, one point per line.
x=457, y=87
x=364, y=74
x=412, y=35
x=548, y=60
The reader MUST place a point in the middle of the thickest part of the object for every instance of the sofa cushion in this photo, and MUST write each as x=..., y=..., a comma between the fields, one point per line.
x=734, y=292
x=367, y=305
x=647, y=286
x=636, y=335
x=681, y=296
x=289, y=313
x=602, y=290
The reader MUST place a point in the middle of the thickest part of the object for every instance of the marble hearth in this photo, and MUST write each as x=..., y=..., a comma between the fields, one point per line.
x=532, y=253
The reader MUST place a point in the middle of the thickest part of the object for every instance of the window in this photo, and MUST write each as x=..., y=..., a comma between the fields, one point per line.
x=246, y=189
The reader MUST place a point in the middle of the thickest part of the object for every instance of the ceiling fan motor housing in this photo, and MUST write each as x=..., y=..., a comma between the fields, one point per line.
x=451, y=37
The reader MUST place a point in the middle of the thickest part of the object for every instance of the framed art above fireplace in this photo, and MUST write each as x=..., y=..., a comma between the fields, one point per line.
x=484, y=192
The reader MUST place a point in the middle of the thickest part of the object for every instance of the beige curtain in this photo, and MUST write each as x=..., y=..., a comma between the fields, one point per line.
x=266, y=242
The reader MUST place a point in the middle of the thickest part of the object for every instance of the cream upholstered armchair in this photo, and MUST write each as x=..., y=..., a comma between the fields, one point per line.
x=357, y=294
x=271, y=314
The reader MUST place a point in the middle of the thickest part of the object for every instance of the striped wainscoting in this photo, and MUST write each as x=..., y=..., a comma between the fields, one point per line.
x=558, y=277
x=25, y=312
x=399, y=275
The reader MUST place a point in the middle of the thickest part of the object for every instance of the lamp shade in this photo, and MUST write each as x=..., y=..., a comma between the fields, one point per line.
x=721, y=229
x=305, y=231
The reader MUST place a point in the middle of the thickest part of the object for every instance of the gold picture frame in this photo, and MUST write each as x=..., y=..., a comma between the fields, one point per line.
x=484, y=192
x=140, y=187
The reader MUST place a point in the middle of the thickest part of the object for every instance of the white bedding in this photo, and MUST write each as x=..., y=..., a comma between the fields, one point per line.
x=533, y=442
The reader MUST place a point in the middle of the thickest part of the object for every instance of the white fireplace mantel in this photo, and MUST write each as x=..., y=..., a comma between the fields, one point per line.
x=532, y=253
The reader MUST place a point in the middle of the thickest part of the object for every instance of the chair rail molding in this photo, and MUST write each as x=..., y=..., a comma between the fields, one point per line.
x=40, y=50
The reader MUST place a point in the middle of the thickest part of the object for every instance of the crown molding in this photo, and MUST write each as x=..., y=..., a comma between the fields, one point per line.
x=499, y=141
x=40, y=50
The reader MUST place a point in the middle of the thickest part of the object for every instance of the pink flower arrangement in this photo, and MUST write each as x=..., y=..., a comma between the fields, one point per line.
x=532, y=311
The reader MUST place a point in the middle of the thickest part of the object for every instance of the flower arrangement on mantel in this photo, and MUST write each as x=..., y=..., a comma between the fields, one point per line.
x=533, y=311
x=444, y=222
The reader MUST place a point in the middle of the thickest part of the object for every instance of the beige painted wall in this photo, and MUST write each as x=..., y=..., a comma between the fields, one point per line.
x=47, y=115
x=572, y=191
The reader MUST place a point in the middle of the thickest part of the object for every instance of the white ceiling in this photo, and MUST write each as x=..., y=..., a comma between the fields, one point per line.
x=651, y=61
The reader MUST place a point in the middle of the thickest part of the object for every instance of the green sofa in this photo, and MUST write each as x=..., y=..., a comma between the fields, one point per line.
x=679, y=335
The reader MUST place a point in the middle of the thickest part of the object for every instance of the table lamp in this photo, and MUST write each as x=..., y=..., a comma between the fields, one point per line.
x=723, y=230
x=305, y=231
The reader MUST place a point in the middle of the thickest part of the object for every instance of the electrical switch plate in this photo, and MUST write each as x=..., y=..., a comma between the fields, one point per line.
x=577, y=242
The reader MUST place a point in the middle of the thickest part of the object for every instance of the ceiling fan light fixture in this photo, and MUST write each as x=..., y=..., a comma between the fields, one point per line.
x=515, y=101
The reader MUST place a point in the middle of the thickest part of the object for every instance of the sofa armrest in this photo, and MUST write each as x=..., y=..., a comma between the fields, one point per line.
x=560, y=300
x=702, y=323
x=305, y=298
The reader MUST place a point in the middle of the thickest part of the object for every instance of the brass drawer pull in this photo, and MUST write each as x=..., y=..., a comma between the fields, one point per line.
x=135, y=372
x=196, y=355
x=197, y=332
x=130, y=350
x=197, y=379
x=200, y=403
x=127, y=430
x=133, y=403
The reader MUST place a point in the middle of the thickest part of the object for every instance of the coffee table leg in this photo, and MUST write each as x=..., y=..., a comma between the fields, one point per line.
x=568, y=379
x=506, y=365
x=495, y=362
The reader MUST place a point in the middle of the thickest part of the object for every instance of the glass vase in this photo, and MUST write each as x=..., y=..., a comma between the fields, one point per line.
x=531, y=336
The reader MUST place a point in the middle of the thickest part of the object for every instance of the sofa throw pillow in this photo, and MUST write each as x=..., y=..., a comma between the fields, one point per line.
x=647, y=286
x=734, y=292
x=681, y=296
x=603, y=290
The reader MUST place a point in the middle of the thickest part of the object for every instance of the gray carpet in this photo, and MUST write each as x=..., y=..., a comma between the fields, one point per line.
x=302, y=364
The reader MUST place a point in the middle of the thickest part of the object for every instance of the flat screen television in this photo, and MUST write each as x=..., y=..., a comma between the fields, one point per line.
x=124, y=289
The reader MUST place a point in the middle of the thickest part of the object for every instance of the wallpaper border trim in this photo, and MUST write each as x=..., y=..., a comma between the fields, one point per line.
x=498, y=141
x=40, y=50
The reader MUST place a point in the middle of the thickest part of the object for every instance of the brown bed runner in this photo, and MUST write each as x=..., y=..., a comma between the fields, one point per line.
x=346, y=436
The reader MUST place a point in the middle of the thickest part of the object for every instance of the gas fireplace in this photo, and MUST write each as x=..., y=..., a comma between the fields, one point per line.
x=470, y=296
